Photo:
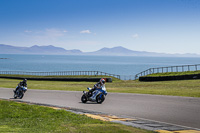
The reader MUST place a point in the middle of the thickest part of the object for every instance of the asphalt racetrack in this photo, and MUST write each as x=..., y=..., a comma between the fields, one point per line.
x=184, y=111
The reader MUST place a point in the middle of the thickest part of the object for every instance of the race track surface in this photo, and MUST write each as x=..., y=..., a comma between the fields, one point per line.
x=184, y=111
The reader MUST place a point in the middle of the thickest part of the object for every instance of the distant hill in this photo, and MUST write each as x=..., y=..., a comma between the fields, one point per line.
x=121, y=51
x=7, y=49
x=115, y=51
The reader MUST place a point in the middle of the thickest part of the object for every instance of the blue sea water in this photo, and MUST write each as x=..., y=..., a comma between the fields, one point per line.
x=120, y=65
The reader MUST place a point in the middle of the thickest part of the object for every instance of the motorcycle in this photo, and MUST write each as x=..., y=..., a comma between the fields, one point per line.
x=98, y=95
x=20, y=92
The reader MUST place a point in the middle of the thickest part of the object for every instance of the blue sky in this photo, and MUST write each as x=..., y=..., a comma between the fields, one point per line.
x=165, y=26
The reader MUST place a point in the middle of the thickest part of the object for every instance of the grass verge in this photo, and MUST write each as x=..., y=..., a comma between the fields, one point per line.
x=20, y=117
x=187, y=88
x=172, y=74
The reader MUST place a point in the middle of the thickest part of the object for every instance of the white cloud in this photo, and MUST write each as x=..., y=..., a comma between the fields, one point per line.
x=85, y=32
x=45, y=36
x=27, y=31
x=135, y=35
x=53, y=32
x=50, y=32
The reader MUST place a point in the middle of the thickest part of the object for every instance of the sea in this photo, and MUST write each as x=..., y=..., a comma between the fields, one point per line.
x=125, y=66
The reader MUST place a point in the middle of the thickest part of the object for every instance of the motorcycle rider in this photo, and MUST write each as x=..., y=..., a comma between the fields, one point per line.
x=21, y=84
x=98, y=85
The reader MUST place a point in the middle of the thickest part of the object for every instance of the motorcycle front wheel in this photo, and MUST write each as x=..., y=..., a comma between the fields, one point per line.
x=84, y=99
x=15, y=96
x=100, y=98
x=21, y=94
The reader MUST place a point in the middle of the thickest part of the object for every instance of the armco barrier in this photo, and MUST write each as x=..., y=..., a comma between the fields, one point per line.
x=60, y=79
x=182, y=68
x=165, y=78
x=60, y=73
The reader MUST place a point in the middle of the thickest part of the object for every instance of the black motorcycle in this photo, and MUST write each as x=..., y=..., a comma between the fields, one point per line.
x=19, y=93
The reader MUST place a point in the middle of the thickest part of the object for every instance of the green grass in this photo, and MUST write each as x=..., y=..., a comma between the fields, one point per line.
x=188, y=88
x=172, y=74
x=19, y=117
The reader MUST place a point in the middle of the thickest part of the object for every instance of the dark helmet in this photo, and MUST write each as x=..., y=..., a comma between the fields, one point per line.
x=25, y=80
x=102, y=81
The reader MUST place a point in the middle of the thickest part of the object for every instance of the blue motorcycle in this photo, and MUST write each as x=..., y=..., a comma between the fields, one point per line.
x=19, y=93
x=98, y=95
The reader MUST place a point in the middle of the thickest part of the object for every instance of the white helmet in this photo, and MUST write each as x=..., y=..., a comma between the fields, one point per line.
x=102, y=81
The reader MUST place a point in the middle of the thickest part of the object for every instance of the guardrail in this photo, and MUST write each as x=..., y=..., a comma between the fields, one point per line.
x=182, y=68
x=61, y=73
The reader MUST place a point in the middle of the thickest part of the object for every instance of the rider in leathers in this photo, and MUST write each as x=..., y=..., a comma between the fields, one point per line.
x=21, y=84
x=98, y=85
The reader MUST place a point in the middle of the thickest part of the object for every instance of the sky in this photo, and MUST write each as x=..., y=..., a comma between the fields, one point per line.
x=163, y=26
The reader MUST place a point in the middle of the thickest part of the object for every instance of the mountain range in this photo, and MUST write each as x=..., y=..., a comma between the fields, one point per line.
x=115, y=51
